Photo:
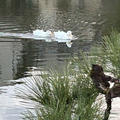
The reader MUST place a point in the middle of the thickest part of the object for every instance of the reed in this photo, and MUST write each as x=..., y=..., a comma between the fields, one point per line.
x=111, y=48
x=64, y=96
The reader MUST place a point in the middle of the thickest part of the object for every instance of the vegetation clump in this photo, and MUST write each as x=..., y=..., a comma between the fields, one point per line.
x=67, y=96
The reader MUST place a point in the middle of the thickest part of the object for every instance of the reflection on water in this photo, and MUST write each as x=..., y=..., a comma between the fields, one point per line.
x=9, y=58
x=10, y=107
x=87, y=19
x=111, y=13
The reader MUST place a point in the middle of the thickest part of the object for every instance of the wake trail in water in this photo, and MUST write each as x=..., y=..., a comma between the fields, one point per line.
x=19, y=35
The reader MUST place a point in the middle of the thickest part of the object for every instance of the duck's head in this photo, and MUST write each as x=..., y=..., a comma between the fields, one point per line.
x=51, y=33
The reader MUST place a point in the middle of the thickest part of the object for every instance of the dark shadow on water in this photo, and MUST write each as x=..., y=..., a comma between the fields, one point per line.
x=64, y=4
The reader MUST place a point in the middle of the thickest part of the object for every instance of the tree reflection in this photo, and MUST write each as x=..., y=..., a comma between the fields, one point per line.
x=111, y=13
x=64, y=4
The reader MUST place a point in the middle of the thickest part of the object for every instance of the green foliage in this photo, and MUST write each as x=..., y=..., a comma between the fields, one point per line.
x=67, y=96
x=111, y=47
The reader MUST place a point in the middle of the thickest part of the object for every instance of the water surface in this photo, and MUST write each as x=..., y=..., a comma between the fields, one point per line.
x=87, y=19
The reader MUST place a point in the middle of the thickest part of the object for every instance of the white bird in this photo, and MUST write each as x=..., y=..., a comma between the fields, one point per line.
x=63, y=35
x=54, y=35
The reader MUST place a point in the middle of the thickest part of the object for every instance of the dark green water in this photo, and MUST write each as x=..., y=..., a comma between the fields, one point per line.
x=87, y=19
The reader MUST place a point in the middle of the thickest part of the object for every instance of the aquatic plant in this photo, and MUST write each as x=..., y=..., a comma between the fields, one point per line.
x=64, y=96
x=111, y=48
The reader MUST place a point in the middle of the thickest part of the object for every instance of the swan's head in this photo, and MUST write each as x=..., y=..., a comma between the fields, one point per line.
x=69, y=34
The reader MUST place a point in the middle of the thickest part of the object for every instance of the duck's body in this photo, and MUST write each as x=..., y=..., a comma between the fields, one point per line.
x=56, y=35
x=63, y=35
x=41, y=33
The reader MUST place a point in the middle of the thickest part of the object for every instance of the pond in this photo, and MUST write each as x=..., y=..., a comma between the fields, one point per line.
x=87, y=19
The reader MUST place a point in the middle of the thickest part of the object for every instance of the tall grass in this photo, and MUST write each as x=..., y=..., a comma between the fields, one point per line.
x=67, y=96
x=111, y=48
